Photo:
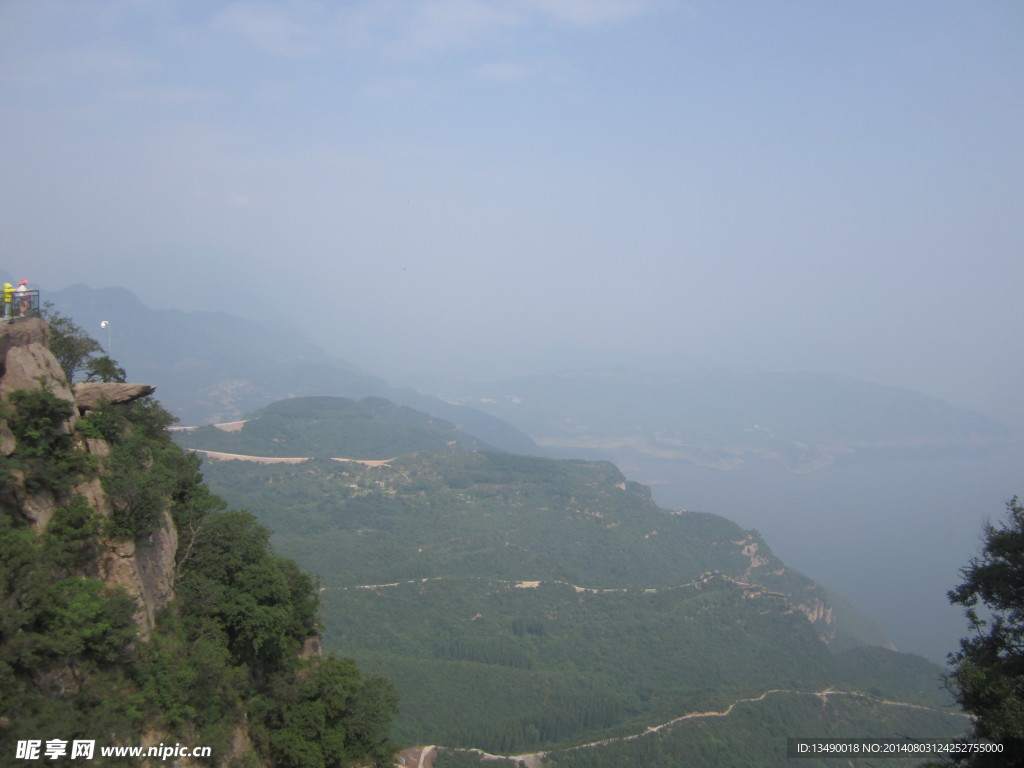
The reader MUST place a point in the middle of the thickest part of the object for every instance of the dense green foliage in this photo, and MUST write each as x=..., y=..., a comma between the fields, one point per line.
x=329, y=717
x=62, y=636
x=559, y=665
x=262, y=604
x=233, y=642
x=459, y=513
x=144, y=470
x=988, y=677
x=44, y=449
x=523, y=603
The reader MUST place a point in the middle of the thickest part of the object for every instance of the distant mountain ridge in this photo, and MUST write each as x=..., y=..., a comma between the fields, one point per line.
x=332, y=427
x=721, y=419
x=211, y=367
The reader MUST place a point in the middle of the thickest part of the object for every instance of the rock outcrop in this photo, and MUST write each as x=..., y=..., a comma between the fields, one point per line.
x=145, y=568
x=91, y=394
x=27, y=363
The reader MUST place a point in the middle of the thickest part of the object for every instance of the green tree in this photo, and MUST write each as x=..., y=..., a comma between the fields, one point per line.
x=69, y=343
x=44, y=450
x=328, y=716
x=104, y=369
x=265, y=606
x=988, y=676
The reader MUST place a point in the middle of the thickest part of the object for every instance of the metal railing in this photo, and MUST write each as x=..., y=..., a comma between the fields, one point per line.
x=15, y=305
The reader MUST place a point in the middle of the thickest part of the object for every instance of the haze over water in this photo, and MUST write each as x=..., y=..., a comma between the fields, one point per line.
x=889, y=537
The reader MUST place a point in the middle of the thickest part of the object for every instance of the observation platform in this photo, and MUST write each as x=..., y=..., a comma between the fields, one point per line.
x=21, y=304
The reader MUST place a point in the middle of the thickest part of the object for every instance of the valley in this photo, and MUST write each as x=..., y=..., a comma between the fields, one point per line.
x=524, y=605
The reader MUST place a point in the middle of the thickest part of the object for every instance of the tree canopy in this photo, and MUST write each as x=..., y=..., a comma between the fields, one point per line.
x=69, y=343
x=988, y=676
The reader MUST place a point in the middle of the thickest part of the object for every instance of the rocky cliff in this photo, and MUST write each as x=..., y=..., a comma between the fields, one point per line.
x=145, y=569
x=93, y=494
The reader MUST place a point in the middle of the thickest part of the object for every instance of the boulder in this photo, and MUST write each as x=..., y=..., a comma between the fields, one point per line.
x=26, y=361
x=89, y=395
x=145, y=569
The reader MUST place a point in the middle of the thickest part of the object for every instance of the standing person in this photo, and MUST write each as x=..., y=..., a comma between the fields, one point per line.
x=23, y=298
x=7, y=307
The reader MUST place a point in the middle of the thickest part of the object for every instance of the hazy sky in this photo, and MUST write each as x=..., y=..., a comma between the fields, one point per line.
x=425, y=184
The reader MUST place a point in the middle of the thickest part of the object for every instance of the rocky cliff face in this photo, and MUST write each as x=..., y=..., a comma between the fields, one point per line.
x=27, y=363
x=145, y=569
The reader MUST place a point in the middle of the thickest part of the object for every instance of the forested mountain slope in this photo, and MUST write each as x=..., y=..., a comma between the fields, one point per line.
x=525, y=605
